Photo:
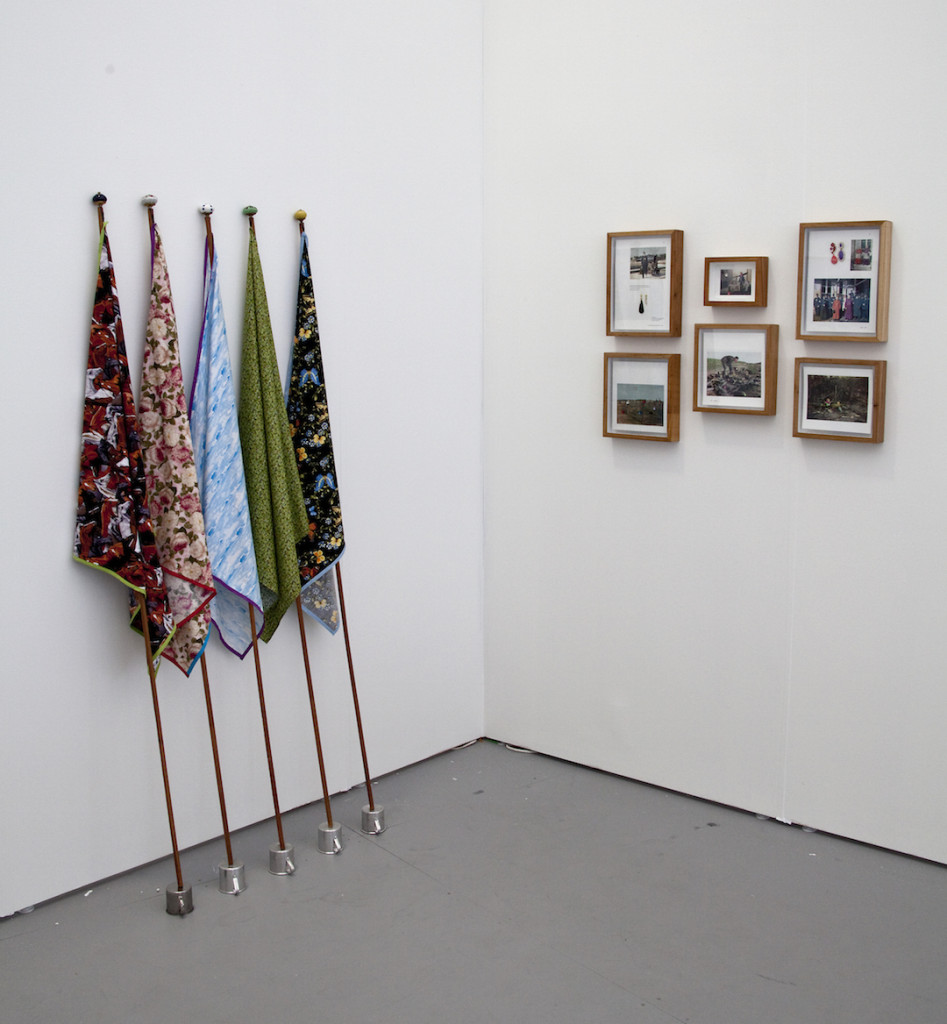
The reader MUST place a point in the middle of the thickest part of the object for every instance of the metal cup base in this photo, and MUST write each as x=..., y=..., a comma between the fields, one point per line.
x=231, y=880
x=179, y=902
x=281, y=860
x=330, y=838
x=373, y=820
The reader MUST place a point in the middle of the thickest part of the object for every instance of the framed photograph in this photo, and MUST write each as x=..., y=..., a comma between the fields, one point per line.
x=642, y=396
x=840, y=399
x=644, y=283
x=735, y=368
x=844, y=281
x=735, y=280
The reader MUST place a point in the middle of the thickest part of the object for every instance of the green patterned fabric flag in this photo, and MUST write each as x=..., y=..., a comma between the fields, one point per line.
x=277, y=511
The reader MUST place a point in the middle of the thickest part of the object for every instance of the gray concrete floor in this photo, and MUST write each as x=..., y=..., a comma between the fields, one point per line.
x=508, y=887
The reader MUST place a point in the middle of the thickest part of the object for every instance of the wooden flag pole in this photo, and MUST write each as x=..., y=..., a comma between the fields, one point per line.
x=329, y=834
x=179, y=906
x=213, y=745
x=373, y=819
x=266, y=738
x=312, y=707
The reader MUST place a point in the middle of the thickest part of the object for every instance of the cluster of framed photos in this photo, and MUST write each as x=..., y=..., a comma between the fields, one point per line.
x=842, y=293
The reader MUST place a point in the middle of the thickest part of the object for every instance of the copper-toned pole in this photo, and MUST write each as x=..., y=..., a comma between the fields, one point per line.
x=266, y=729
x=312, y=707
x=143, y=612
x=358, y=716
x=213, y=744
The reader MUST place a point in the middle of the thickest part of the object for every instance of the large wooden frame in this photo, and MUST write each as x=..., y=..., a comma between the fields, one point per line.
x=844, y=281
x=735, y=368
x=840, y=399
x=644, y=283
x=642, y=396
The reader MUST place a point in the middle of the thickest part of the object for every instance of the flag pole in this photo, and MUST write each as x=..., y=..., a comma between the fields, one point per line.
x=179, y=900
x=373, y=818
x=330, y=834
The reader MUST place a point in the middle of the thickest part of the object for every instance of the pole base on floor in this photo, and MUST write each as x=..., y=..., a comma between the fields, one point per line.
x=281, y=861
x=179, y=902
x=330, y=838
x=231, y=880
x=373, y=820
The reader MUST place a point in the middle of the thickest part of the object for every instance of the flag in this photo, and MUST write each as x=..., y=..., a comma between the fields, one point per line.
x=277, y=509
x=113, y=527
x=308, y=412
x=219, y=462
x=175, y=500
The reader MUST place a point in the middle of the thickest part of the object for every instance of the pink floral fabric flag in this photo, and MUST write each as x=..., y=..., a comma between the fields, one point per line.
x=113, y=526
x=174, y=496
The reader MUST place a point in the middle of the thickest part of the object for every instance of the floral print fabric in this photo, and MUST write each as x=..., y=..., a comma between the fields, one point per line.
x=113, y=528
x=174, y=497
x=308, y=411
x=277, y=510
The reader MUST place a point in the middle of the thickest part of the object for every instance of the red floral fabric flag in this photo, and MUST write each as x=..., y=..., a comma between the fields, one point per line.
x=113, y=527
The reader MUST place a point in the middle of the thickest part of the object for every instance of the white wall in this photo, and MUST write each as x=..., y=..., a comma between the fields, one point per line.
x=318, y=105
x=744, y=616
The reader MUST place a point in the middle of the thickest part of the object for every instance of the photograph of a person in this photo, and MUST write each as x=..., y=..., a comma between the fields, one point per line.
x=647, y=262
x=841, y=299
x=736, y=282
x=735, y=377
x=843, y=399
x=861, y=254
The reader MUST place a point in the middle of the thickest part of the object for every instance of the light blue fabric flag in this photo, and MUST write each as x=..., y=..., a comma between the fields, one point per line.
x=219, y=461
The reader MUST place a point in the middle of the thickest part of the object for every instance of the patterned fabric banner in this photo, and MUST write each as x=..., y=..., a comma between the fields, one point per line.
x=277, y=509
x=113, y=528
x=172, y=478
x=219, y=462
x=308, y=411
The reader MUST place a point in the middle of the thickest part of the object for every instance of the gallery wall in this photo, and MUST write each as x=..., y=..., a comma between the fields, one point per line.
x=322, y=106
x=744, y=615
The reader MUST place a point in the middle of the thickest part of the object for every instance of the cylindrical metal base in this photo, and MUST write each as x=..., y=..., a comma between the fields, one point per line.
x=179, y=901
x=281, y=861
x=373, y=820
x=330, y=838
x=230, y=879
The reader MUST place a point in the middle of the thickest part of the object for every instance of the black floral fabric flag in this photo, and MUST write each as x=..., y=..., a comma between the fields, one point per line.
x=308, y=411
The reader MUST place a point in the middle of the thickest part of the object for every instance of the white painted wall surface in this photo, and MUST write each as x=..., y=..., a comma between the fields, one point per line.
x=743, y=615
x=367, y=115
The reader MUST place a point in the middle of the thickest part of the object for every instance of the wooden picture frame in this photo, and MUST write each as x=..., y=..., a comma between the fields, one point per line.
x=642, y=396
x=844, y=281
x=644, y=283
x=736, y=280
x=735, y=368
x=840, y=399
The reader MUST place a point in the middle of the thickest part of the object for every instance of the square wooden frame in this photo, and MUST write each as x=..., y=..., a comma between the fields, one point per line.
x=804, y=395
x=756, y=269
x=736, y=341
x=644, y=283
x=844, y=300
x=649, y=371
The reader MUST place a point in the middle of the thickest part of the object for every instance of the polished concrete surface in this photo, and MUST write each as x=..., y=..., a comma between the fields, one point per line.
x=508, y=887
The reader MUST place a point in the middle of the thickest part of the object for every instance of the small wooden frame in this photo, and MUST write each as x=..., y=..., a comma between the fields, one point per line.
x=642, y=397
x=735, y=368
x=844, y=281
x=840, y=399
x=644, y=283
x=736, y=280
